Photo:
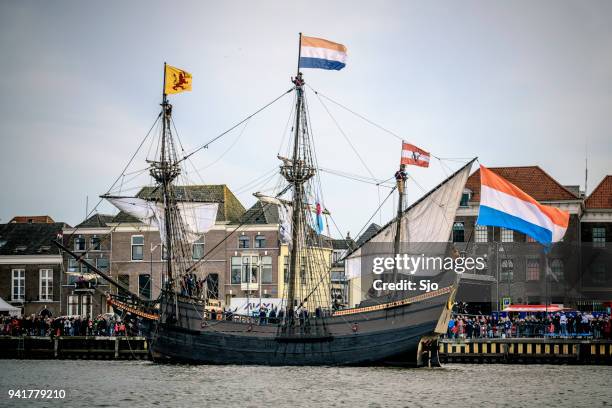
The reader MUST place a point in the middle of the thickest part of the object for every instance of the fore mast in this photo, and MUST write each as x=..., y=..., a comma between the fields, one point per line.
x=165, y=171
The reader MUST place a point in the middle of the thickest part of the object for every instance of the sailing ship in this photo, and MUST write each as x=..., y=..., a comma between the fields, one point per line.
x=400, y=328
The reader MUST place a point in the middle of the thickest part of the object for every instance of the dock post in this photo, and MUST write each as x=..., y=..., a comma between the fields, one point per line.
x=116, y=347
x=55, y=346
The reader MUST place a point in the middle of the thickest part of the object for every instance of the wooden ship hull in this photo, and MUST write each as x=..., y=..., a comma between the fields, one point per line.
x=402, y=333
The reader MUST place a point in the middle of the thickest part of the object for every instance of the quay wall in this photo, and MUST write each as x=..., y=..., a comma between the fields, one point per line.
x=74, y=347
x=525, y=351
x=480, y=351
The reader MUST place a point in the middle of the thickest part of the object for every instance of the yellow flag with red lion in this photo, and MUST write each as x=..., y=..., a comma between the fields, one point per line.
x=177, y=80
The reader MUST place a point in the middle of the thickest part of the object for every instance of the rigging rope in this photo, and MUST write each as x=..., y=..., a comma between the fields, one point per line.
x=204, y=146
x=122, y=172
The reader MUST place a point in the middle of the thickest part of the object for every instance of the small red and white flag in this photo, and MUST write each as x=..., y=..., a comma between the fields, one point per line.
x=413, y=155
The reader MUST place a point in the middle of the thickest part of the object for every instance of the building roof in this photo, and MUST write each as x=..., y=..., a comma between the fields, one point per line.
x=32, y=219
x=261, y=214
x=29, y=239
x=372, y=229
x=230, y=208
x=344, y=243
x=96, y=221
x=601, y=197
x=531, y=179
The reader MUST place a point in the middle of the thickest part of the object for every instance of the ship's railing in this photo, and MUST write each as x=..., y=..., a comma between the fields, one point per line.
x=397, y=303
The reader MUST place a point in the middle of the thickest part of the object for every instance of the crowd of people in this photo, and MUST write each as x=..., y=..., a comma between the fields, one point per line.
x=39, y=325
x=574, y=324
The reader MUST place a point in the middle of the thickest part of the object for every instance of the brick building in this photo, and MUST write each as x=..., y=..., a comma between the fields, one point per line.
x=30, y=264
x=136, y=250
x=516, y=263
x=596, y=237
x=82, y=290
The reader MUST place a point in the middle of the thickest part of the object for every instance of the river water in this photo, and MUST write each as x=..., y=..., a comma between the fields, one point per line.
x=142, y=383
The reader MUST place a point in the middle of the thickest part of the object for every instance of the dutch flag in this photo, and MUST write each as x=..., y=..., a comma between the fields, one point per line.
x=502, y=204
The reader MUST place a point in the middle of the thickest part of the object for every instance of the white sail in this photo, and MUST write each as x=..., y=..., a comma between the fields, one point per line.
x=428, y=220
x=138, y=208
x=285, y=215
x=198, y=218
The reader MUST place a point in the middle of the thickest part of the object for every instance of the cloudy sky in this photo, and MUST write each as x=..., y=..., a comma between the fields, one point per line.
x=514, y=83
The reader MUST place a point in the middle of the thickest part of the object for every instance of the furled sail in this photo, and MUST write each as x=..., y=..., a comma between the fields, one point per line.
x=285, y=214
x=430, y=219
x=198, y=218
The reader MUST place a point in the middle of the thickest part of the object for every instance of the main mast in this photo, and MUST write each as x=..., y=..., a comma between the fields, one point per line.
x=297, y=172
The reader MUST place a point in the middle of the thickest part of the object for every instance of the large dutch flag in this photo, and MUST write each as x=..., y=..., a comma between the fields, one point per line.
x=502, y=204
x=320, y=53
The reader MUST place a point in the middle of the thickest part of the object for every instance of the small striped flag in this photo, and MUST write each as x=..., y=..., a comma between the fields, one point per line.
x=322, y=54
x=414, y=155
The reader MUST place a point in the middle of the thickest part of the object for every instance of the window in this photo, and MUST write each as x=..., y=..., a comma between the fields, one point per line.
x=250, y=269
x=144, y=285
x=73, y=265
x=86, y=305
x=45, y=285
x=79, y=243
x=286, y=270
x=236, y=269
x=507, y=235
x=102, y=264
x=465, y=198
x=125, y=281
x=533, y=270
x=76, y=266
x=164, y=252
x=481, y=234
x=266, y=269
x=556, y=269
x=260, y=241
x=338, y=255
x=198, y=249
x=458, y=232
x=137, y=247
x=95, y=244
x=212, y=285
x=507, y=270
x=254, y=269
x=73, y=305
x=599, y=237
x=243, y=241
x=18, y=285
x=598, y=273
x=337, y=276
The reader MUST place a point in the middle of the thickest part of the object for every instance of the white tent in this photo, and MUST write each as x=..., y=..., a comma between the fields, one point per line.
x=12, y=310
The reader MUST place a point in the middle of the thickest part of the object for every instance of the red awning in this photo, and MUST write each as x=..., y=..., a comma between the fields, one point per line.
x=533, y=308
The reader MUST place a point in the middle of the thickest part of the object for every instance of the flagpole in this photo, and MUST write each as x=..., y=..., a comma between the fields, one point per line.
x=164, y=86
x=299, y=54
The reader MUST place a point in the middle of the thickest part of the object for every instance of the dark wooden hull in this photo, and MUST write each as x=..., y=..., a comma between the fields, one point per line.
x=395, y=336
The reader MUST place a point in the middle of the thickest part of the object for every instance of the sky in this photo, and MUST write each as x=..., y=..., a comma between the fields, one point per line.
x=514, y=83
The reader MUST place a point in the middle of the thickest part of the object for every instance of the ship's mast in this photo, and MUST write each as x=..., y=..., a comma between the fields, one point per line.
x=400, y=178
x=297, y=173
x=164, y=172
